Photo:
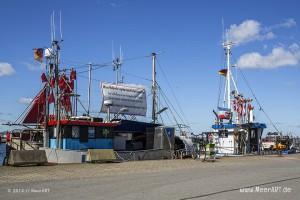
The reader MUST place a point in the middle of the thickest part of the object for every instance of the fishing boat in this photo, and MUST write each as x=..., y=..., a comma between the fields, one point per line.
x=235, y=131
x=53, y=124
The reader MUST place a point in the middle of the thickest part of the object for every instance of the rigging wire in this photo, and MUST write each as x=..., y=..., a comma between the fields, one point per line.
x=168, y=116
x=172, y=108
x=167, y=113
x=101, y=65
x=173, y=93
x=94, y=79
x=219, y=95
x=253, y=94
x=129, y=74
x=222, y=64
x=257, y=101
x=173, y=115
x=136, y=76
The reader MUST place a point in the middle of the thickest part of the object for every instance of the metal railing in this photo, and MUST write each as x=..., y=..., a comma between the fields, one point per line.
x=19, y=144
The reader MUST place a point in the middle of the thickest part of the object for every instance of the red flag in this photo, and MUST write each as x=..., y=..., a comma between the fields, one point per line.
x=8, y=136
x=73, y=75
x=44, y=78
x=71, y=84
x=52, y=82
x=66, y=102
x=51, y=98
x=62, y=82
x=36, y=113
x=68, y=88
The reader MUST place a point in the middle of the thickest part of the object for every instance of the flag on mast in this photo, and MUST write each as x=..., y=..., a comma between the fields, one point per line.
x=223, y=72
x=39, y=54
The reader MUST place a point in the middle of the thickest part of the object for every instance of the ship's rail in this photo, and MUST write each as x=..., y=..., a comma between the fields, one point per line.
x=19, y=144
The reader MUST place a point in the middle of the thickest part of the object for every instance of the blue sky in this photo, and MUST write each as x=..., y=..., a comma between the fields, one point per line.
x=187, y=33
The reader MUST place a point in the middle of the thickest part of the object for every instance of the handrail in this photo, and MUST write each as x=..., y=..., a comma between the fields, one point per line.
x=21, y=144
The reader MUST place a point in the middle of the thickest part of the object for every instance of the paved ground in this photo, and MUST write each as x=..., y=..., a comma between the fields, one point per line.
x=167, y=179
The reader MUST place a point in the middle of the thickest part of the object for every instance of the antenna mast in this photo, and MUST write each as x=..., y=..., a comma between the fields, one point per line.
x=54, y=61
x=117, y=63
x=154, y=88
x=89, y=89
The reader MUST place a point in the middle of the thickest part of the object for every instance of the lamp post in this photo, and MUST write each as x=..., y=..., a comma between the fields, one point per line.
x=162, y=110
x=122, y=110
x=108, y=104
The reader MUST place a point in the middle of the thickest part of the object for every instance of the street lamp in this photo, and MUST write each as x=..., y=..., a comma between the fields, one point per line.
x=108, y=104
x=161, y=110
x=122, y=110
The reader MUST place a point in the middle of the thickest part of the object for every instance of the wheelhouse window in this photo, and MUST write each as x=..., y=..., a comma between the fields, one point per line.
x=103, y=132
x=91, y=132
x=223, y=134
x=66, y=131
x=75, y=131
x=51, y=132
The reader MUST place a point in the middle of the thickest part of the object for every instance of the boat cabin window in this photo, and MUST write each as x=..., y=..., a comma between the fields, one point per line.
x=103, y=132
x=51, y=132
x=75, y=131
x=91, y=132
x=66, y=131
x=223, y=134
x=83, y=135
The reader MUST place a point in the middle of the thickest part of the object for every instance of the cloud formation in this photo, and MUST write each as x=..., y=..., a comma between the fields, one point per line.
x=25, y=100
x=111, y=3
x=3, y=113
x=34, y=66
x=252, y=30
x=6, y=69
x=279, y=57
x=287, y=23
x=247, y=31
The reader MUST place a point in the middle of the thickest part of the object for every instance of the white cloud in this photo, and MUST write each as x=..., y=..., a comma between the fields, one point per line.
x=3, y=113
x=25, y=100
x=6, y=69
x=279, y=57
x=111, y=3
x=252, y=30
x=34, y=66
x=248, y=30
x=294, y=47
x=287, y=23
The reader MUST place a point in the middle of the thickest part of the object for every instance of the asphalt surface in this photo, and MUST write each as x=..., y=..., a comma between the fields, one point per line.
x=256, y=177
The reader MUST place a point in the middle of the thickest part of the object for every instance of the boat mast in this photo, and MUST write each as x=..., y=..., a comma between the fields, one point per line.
x=227, y=47
x=56, y=48
x=46, y=119
x=154, y=88
x=89, y=89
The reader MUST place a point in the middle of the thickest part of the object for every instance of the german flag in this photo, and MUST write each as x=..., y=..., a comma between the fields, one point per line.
x=223, y=72
x=39, y=54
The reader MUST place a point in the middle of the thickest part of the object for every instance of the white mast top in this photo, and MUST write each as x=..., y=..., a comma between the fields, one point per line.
x=227, y=47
